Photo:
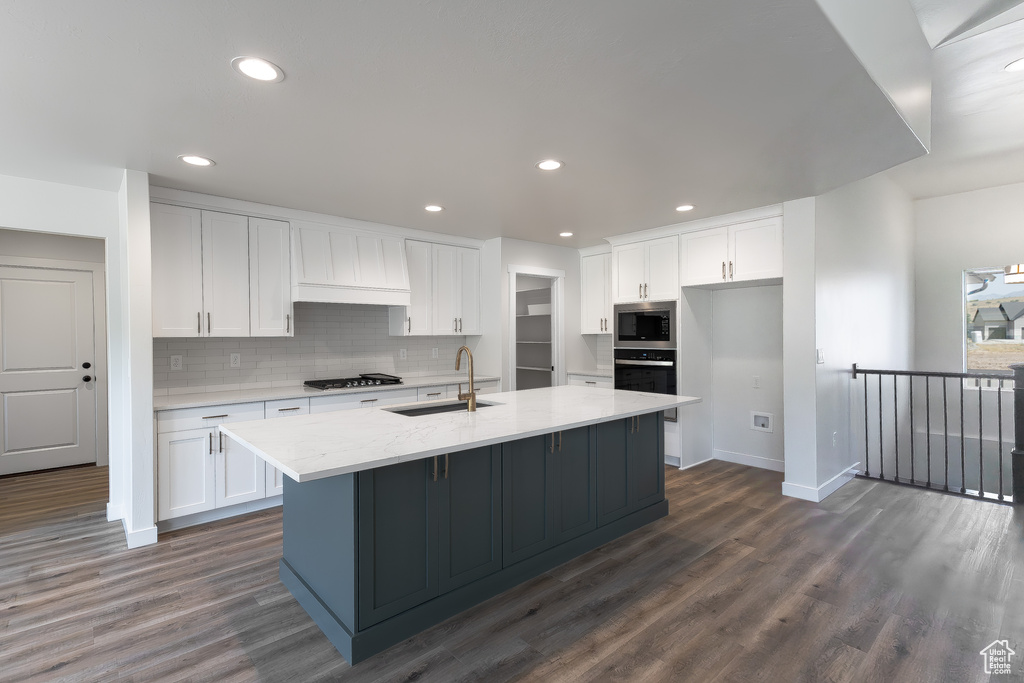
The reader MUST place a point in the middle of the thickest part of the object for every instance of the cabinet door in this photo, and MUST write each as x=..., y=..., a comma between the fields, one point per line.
x=445, y=289
x=575, y=484
x=527, y=498
x=270, y=279
x=468, y=303
x=185, y=472
x=627, y=273
x=703, y=257
x=613, y=471
x=469, y=514
x=647, y=461
x=595, y=294
x=225, y=275
x=397, y=539
x=274, y=410
x=662, y=260
x=756, y=250
x=177, y=239
x=241, y=476
x=419, y=314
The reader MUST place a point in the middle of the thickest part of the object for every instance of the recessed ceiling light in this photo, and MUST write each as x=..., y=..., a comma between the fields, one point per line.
x=258, y=69
x=565, y=234
x=549, y=165
x=1015, y=66
x=433, y=208
x=196, y=160
x=685, y=207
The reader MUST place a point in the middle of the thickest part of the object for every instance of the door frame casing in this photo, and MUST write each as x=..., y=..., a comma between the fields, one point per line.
x=99, y=326
x=557, y=278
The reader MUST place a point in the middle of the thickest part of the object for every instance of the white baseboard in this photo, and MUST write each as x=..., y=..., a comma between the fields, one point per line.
x=139, y=538
x=816, y=495
x=672, y=460
x=114, y=512
x=694, y=464
x=752, y=460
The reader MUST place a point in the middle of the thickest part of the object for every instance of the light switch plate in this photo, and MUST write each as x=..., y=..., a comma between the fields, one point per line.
x=402, y=354
x=176, y=363
x=821, y=356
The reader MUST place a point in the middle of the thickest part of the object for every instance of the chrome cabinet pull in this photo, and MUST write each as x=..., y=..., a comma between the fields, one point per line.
x=640, y=291
x=221, y=446
x=287, y=322
x=455, y=324
x=211, y=443
x=282, y=410
x=199, y=322
x=645, y=290
x=589, y=382
x=730, y=270
x=460, y=325
x=208, y=322
x=214, y=417
x=723, y=270
x=408, y=321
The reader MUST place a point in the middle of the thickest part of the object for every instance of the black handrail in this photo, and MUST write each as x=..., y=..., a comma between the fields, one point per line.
x=1005, y=376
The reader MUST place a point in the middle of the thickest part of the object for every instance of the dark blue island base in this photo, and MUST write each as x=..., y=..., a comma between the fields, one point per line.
x=377, y=556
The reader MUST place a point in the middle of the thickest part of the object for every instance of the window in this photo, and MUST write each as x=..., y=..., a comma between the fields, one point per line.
x=994, y=318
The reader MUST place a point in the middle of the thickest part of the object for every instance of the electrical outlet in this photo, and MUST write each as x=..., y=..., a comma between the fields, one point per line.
x=757, y=381
x=402, y=354
x=433, y=352
x=236, y=360
x=176, y=363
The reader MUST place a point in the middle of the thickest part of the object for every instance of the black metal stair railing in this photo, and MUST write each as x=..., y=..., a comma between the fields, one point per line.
x=971, y=459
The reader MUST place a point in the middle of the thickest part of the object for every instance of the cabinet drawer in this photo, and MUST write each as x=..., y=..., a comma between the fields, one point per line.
x=485, y=387
x=599, y=381
x=208, y=416
x=286, y=407
x=362, y=399
x=432, y=393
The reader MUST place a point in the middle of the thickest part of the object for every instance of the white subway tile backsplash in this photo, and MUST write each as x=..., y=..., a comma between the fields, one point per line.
x=331, y=340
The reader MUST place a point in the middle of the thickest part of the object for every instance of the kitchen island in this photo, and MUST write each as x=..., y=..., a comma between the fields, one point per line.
x=393, y=522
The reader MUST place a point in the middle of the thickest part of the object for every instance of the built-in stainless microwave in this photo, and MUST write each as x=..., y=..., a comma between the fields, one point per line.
x=646, y=325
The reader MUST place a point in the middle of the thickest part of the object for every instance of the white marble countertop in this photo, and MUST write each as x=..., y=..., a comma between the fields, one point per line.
x=212, y=398
x=308, y=447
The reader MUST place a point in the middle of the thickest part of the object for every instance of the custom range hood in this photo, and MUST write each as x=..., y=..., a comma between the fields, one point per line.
x=342, y=266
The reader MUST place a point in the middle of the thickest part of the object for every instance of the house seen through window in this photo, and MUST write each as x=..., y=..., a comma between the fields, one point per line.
x=994, y=317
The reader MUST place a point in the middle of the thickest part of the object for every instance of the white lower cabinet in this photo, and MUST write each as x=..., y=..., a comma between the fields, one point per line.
x=240, y=475
x=185, y=477
x=598, y=381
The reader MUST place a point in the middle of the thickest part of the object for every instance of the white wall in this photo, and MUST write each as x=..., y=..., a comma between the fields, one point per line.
x=522, y=253
x=68, y=210
x=864, y=305
x=953, y=233
x=747, y=341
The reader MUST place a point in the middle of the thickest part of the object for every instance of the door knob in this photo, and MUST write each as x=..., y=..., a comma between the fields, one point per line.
x=87, y=378
x=86, y=365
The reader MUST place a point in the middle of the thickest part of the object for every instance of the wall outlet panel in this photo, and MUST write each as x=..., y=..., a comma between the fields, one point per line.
x=762, y=422
x=236, y=360
x=176, y=363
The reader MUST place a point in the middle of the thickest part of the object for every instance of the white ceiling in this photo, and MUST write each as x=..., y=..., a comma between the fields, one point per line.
x=389, y=105
x=977, y=111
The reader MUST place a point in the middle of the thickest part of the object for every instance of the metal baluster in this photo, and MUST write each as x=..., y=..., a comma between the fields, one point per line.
x=910, y=380
x=881, y=449
x=981, y=447
x=963, y=477
x=896, y=427
x=945, y=434
x=999, y=421
x=928, y=426
x=867, y=450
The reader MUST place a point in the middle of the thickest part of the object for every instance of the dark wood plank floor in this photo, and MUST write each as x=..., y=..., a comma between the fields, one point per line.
x=738, y=583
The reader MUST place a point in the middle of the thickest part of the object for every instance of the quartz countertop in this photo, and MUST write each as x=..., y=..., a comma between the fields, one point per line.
x=308, y=447
x=212, y=398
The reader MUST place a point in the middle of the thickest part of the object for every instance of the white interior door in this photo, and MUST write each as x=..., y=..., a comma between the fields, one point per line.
x=47, y=407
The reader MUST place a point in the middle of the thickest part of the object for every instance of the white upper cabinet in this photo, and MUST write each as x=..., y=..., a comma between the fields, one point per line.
x=746, y=251
x=646, y=271
x=338, y=265
x=270, y=279
x=225, y=275
x=177, y=244
x=596, y=294
x=444, y=291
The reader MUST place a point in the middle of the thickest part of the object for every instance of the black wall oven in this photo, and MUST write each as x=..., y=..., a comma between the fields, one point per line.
x=645, y=349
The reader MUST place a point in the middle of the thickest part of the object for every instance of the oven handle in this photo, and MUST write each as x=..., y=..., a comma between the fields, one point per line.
x=658, y=363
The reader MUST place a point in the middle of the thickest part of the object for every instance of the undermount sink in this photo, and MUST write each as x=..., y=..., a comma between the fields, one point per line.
x=435, y=408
